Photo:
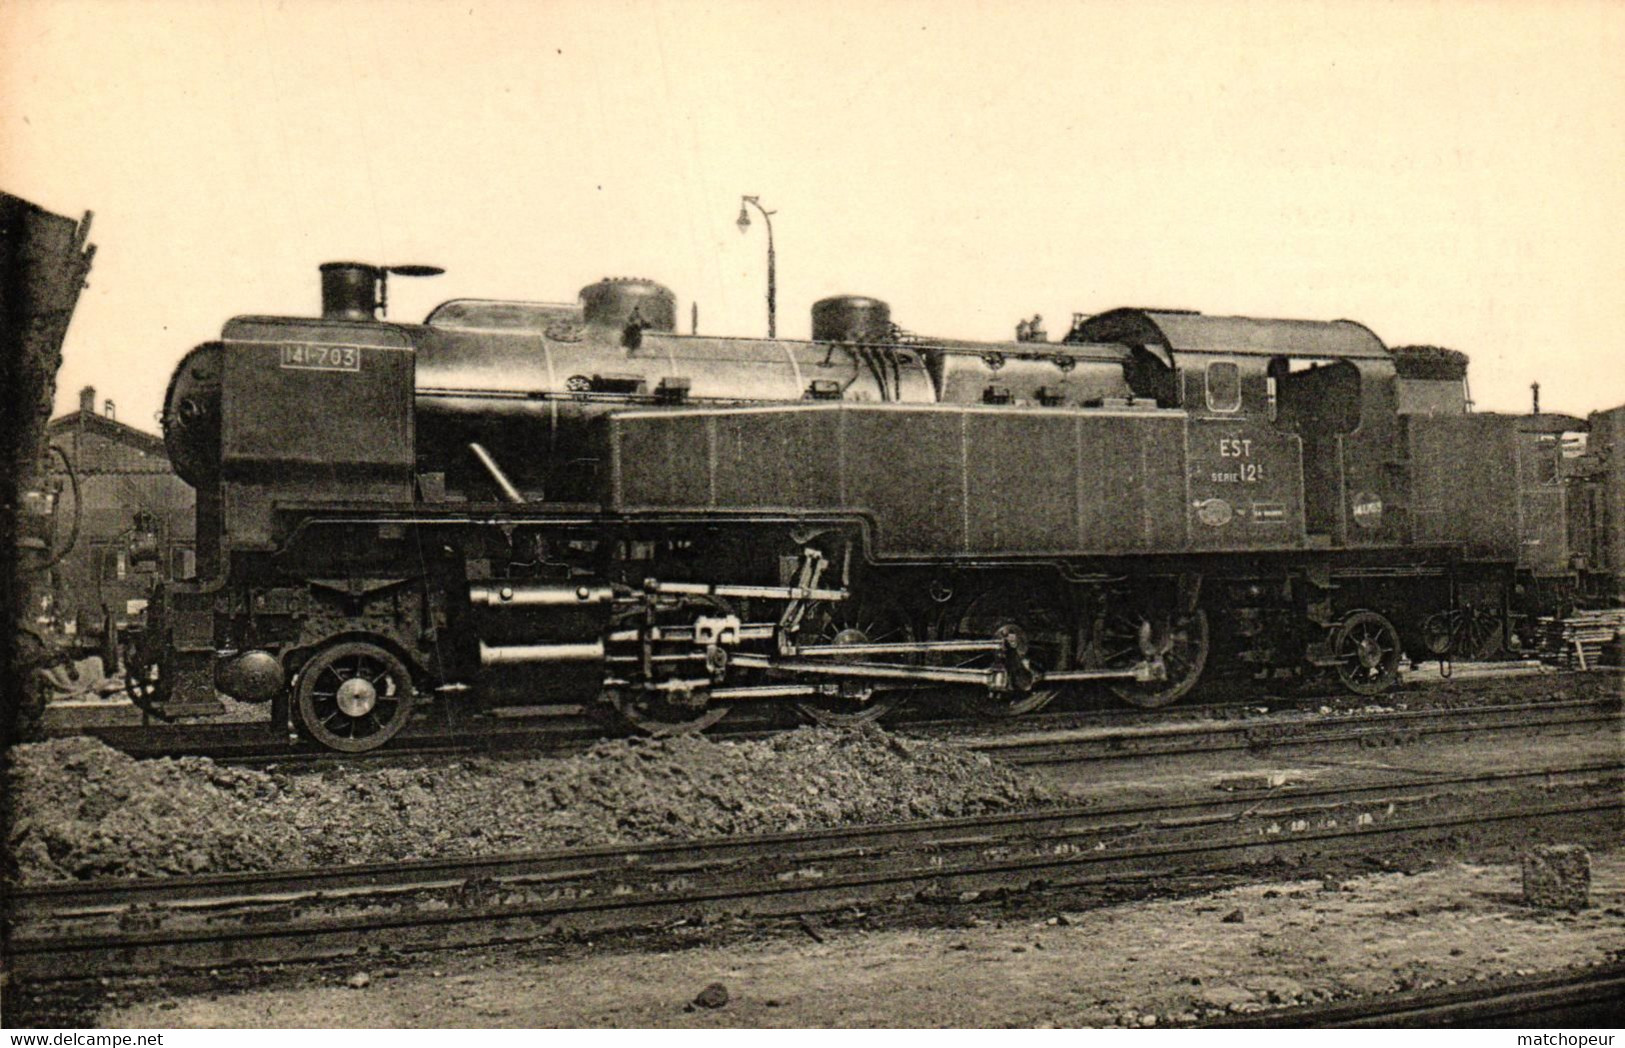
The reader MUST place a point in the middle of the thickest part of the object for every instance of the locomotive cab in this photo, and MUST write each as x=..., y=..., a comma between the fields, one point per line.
x=1288, y=432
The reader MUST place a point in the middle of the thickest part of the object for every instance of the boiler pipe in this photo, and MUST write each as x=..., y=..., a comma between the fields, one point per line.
x=509, y=492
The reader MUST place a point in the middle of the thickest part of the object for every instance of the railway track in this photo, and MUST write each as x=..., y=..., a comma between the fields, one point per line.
x=1226, y=725
x=1098, y=743
x=1587, y=998
x=75, y=930
x=1361, y=731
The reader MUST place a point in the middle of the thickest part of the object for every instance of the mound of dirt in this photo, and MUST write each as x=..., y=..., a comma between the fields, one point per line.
x=83, y=810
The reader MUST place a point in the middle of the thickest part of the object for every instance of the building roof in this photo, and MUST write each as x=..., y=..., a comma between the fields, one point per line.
x=111, y=429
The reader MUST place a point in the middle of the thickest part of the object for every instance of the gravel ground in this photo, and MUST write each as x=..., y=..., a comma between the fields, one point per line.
x=83, y=810
x=1153, y=963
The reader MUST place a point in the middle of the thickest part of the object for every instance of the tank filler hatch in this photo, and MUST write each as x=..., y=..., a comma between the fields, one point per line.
x=851, y=318
x=629, y=302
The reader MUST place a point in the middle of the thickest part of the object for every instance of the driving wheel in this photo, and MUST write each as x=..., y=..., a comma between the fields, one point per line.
x=1129, y=632
x=667, y=708
x=862, y=620
x=1039, y=636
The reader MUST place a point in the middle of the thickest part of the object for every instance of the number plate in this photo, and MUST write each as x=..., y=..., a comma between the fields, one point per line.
x=321, y=358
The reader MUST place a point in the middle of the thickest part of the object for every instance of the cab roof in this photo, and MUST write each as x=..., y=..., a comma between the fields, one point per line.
x=1180, y=332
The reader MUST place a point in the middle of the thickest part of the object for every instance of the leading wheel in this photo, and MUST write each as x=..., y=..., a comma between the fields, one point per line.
x=1130, y=632
x=354, y=696
x=1368, y=652
x=1039, y=633
x=863, y=620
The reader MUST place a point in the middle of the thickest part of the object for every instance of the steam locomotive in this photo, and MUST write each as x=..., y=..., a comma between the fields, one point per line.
x=520, y=503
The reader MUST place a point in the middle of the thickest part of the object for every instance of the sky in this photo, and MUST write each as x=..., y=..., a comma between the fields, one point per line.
x=1444, y=172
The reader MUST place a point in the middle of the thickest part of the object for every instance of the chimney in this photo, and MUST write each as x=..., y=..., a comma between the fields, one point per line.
x=350, y=291
x=107, y=409
x=87, y=400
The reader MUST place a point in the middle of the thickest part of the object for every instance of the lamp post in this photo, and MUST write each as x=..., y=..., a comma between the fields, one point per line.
x=744, y=224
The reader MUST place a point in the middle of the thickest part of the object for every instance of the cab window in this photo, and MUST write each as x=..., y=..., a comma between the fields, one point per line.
x=1223, y=386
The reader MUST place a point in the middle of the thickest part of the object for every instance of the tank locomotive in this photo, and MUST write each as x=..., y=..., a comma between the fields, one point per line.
x=523, y=503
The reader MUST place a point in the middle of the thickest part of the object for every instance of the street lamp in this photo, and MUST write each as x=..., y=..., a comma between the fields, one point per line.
x=744, y=224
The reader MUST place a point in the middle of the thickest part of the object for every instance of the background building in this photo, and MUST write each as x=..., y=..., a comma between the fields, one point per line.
x=134, y=513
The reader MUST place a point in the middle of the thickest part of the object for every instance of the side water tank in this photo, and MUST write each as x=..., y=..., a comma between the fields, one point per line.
x=851, y=318
x=614, y=301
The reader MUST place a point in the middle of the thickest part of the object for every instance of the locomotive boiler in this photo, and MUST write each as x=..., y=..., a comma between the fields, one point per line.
x=521, y=503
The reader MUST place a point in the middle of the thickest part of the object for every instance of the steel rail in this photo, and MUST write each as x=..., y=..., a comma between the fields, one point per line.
x=267, y=917
x=1590, y=997
x=570, y=734
x=1364, y=730
x=118, y=892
